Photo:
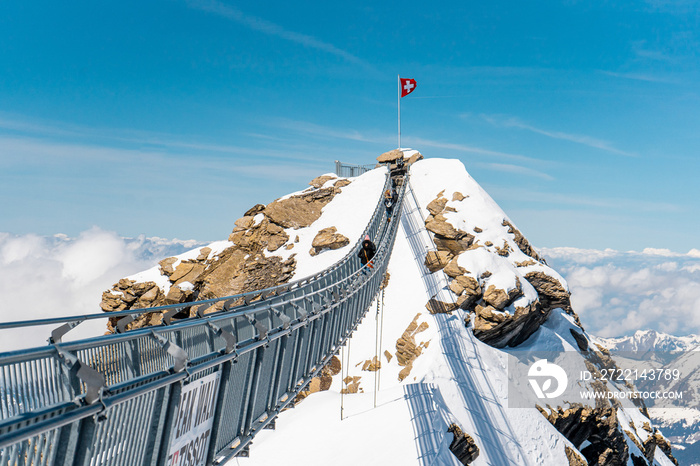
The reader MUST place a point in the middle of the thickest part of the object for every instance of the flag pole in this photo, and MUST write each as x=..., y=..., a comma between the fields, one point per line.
x=399, y=101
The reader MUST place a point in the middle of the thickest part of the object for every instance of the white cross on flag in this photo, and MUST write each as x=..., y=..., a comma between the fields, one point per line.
x=407, y=86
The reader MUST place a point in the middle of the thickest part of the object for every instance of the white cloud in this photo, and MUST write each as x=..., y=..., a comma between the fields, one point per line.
x=575, y=138
x=272, y=29
x=616, y=293
x=53, y=276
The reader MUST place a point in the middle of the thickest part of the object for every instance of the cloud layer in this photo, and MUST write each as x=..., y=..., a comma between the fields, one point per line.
x=52, y=276
x=616, y=293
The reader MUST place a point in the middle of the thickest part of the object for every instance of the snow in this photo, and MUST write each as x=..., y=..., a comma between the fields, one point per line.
x=349, y=212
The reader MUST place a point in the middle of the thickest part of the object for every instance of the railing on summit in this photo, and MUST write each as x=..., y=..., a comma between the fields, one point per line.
x=348, y=171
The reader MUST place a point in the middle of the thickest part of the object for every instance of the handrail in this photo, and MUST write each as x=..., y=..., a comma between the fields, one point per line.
x=116, y=399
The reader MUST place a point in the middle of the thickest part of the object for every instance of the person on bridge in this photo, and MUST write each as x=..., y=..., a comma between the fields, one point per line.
x=367, y=252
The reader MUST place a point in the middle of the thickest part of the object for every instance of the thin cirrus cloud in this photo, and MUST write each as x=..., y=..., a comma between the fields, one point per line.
x=576, y=138
x=272, y=29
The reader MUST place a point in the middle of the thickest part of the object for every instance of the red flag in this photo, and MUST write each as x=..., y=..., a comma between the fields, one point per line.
x=407, y=86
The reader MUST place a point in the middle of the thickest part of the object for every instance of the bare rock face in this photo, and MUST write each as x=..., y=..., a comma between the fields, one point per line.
x=436, y=260
x=391, y=156
x=439, y=225
x=654, y=441
x=187, y=271
x=240, y=274
x=499, y=298
x=463, y=445
x=406, y=348
x=435, y=306
x=552, y=294
x=454, y=246
x=452, y=269
x=255, y=238
x=437, y=205
x=328, y=238
x=320, y=180
x=322, y=381
x=522, y=242
x=598, y=426
x=500, y=329
x=301, y=210
x=573, y=457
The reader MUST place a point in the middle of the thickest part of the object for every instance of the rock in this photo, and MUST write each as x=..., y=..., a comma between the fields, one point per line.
x=522, y=242
x=654, y=441
x=301, y=210
x=436, y=260
x=166, y=265
x=406, y=348
x=177, y=295
x=598, y=427
x=551, y=292
x=387, y=355
x=204, y=254
x=328, y=238
x=187, y=271
x=390, y=156
x=581, y=340
x=457, y=196
x=255, y=210
x=321, y=180
x=414, y=158
x=464, y=282
x=406, y=371
x=341, y=183
x=244, y=223
x=454, y=246
x=435, y=306
x=437, y=205
x=500, y=329
x=452, y=269
x=499, y=298
x=372, y=365
x=264, y=235
x=462, y=445
x=439, y=226
x=573, y=457
x=477, y=230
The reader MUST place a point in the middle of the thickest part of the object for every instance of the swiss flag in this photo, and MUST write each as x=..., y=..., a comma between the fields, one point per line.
x=407, y=86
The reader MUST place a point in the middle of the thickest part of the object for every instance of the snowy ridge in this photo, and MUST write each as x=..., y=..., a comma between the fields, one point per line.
x=454, y=379
x=644, y=341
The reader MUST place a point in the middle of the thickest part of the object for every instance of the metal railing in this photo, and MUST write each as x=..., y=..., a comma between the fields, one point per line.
x=347, y=170
x=195, y=391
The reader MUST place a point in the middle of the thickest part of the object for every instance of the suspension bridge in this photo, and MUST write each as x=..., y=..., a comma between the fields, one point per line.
x=191, y=391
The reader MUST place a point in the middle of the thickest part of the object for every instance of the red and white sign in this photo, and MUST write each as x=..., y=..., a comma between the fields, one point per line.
x=407, y=86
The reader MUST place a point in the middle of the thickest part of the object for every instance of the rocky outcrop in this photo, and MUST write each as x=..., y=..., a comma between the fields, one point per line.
x=391, y=156
x=407, y=350
x=573, y=457
x=301, y=210
x=240, y=268
x=322, y=381
x=328, y=238
x=319, y=181
x=463, y=445
x=522, y=242
x=254, y=237
x=598, y=427
x=436, y=260
x=654, y=441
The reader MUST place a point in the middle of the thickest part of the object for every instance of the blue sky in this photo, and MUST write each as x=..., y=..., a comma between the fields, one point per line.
x=171, y=118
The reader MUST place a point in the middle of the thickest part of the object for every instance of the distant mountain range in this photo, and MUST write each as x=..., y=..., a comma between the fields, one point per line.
x=680, y=420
